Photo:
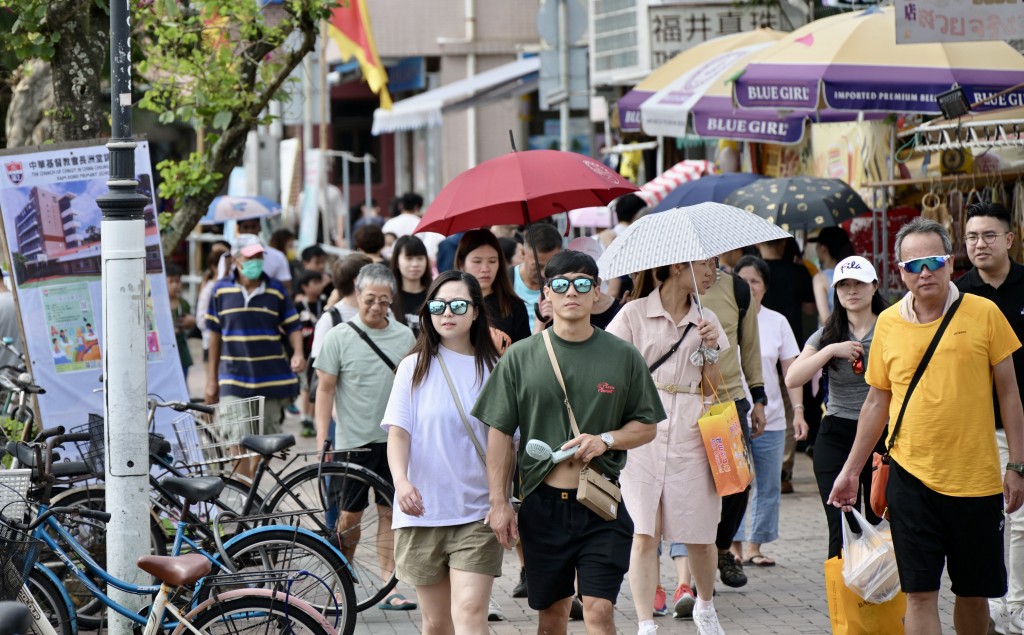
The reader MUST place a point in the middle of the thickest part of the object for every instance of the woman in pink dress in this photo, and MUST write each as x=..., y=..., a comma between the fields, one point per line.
x=667, y=484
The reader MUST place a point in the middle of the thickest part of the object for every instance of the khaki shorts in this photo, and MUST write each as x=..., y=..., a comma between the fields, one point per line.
x=423, y=555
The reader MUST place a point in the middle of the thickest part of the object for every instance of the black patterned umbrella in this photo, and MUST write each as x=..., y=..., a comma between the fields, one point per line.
x=800, y=202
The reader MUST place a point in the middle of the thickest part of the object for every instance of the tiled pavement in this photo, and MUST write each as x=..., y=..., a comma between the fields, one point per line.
x=786, y=599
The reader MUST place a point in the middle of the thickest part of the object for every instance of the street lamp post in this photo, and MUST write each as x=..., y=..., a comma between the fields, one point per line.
x=123, y=246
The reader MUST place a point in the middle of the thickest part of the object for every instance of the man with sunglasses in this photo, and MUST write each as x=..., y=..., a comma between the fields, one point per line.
x=945, y=494
x=996, y=277
x=616, y=406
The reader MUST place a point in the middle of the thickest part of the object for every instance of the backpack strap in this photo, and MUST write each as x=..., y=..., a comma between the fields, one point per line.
x=366, y=338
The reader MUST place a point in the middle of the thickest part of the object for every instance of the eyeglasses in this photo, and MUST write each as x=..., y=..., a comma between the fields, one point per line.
x=988, y=237
x=561, y=285
x=458, y=307
x=381, y=302
x=932, y=263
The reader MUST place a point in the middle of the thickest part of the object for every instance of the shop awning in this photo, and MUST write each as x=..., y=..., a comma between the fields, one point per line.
x=426, y=109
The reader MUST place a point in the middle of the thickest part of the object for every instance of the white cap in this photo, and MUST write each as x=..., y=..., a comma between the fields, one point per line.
x=587, y=245
x=854, y=268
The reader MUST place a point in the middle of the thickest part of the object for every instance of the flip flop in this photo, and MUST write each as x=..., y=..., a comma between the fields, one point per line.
x=760, y=561
x=403, y=604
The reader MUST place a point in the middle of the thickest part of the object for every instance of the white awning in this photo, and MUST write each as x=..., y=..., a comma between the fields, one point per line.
x=426, y=109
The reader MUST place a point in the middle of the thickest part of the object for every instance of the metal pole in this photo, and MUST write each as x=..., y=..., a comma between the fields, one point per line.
x=563, y=71
x=367, y=180
x=345, y=180
x=123, y=252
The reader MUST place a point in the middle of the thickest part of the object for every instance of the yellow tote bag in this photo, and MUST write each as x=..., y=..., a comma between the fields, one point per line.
x=727, y=451
x=851, y=615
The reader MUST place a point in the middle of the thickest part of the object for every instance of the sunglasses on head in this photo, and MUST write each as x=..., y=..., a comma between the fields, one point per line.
x=458, y=307
x=932, y=263
x=561, y=285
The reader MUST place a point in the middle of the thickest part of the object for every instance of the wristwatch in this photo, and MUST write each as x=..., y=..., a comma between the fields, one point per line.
x=609, y=440
x=1010, y=467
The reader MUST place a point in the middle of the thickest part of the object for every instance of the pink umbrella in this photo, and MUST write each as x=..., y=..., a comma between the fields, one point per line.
x=596, y=217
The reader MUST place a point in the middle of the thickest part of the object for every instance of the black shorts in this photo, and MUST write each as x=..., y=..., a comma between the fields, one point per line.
x=353, y=496
x=931, y=529
x=563, y=541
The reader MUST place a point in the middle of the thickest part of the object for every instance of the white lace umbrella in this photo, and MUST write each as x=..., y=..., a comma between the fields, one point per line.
x=684, y=234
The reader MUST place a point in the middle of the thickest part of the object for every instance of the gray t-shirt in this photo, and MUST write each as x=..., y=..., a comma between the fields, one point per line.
x=847, y=390
x=364, y=380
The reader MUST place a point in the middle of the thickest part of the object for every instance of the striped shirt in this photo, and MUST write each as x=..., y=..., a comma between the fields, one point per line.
x=252, y=357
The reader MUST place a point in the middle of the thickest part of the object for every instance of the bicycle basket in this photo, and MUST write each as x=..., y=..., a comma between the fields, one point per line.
x=93, y=450
x=13, y=486
x=201, y=441
x=18, y=554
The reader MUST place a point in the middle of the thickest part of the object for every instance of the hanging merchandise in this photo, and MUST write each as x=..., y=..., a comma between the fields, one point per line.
x=955, y=204
x=1016, y=222
x=934, y=208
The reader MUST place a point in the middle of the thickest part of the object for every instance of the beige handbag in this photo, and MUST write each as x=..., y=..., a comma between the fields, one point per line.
x=595, y=492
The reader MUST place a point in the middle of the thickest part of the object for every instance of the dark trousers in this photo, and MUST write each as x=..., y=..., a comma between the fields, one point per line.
x=734, y=505
x=831, y=449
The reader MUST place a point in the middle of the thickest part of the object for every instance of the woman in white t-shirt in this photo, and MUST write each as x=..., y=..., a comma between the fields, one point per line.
x=436, y=453
x=778, y=348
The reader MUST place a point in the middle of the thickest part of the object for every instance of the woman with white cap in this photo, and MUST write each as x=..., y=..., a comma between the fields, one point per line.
x=841, y=348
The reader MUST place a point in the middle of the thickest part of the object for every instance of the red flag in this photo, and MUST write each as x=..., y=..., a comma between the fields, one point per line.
x=350, y=29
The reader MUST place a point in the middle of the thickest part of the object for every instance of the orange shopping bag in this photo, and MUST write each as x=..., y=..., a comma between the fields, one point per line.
x=851, y=615
x=727, y=450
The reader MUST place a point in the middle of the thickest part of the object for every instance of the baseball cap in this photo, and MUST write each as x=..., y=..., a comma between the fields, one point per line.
x=247, y=245
x=587, y=245
x=854, y=268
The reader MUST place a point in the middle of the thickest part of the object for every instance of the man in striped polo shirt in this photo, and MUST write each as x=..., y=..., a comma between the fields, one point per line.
x=247, y=314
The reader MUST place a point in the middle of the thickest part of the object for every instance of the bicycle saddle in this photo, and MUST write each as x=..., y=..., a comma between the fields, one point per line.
x=175, y=570
x=195, y=489
x=267, y=444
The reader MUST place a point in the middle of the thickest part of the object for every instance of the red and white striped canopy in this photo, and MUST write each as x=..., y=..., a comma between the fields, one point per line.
x=653, y=191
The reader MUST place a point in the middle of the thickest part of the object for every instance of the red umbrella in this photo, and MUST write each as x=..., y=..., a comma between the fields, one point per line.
x=521, y=187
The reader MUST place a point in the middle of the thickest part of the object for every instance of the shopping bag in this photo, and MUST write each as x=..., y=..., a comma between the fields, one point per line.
x=727, y=450
x=869, y=560
x=852, y=615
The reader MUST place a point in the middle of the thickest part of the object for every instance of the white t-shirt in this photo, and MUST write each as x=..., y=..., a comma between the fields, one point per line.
x=326, y=322
x=443, y=462
x=405, y=223
x=777, y=343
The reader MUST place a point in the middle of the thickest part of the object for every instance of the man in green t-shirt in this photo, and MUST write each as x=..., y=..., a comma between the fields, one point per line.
x=616, y=406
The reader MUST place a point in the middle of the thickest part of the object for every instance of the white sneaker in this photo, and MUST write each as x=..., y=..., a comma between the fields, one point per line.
x=998, y=619
x=1015, y=621
x=647, y=629
x=707, y=621
x=494, y=613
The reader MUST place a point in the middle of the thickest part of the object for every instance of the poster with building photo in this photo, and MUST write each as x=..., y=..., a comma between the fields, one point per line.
x=51, y=227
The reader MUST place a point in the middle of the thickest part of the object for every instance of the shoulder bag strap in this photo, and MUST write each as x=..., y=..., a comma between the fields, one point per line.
x=675, y=347
x=921, y=368
x=561, y=382
x=376, y=349
x=462, y=413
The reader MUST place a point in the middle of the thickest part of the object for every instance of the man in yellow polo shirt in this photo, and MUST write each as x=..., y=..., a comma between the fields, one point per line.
x=945, y=493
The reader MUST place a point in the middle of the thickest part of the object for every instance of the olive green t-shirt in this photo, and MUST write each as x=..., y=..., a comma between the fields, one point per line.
x=608, y=384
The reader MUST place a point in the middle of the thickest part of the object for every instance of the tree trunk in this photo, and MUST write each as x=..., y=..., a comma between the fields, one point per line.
x=27, y=121
x=80, y=112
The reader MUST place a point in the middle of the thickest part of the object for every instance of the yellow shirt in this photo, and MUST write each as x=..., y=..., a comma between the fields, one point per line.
x=947, y=438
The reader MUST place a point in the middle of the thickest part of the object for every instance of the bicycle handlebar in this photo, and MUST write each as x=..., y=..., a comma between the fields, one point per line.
x=182, y=406
x=47, y=433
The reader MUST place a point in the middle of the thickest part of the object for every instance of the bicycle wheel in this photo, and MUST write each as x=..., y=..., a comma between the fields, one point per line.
x=256, y=615
x=51, y=602
x=91, y=534
x=369, y=545
x=287, y=549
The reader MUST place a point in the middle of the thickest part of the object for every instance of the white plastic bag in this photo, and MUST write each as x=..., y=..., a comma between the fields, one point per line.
x=869, y=562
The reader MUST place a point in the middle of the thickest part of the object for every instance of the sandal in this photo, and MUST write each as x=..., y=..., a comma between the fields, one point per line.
x=760, y=560
x=396, y=602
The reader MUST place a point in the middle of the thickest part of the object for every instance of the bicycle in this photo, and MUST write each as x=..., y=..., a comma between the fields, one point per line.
x=264, y=549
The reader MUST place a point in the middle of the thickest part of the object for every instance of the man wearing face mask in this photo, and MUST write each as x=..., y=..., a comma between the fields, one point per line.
x=248, y=312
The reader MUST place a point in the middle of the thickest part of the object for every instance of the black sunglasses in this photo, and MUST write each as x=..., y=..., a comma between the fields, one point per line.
x=458, y=307
x=561, y=285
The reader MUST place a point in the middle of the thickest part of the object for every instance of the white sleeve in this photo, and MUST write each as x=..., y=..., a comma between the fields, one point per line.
x=400, y=408
x=323, y=326
x=788, y=348
x=276, y=265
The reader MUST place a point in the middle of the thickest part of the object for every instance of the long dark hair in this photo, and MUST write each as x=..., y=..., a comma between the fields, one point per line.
x=648, y=280
x=429, y=340
x=502, y=285
x=412, y=247
x=837, y=326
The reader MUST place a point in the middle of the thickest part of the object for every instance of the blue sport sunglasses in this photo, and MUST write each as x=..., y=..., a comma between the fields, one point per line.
x=932, y=263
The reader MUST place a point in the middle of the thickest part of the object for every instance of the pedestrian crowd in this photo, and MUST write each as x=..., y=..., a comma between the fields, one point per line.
x=516, y=400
